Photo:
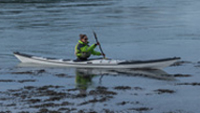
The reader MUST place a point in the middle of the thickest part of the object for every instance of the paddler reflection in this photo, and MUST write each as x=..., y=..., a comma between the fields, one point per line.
x=83, y=80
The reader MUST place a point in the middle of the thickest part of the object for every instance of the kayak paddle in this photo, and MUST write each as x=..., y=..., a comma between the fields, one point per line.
x=95, y=36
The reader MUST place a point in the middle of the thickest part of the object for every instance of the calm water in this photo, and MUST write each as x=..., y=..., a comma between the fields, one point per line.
x=127, y=29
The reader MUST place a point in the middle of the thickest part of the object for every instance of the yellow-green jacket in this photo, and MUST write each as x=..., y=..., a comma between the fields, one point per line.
x=83, y=50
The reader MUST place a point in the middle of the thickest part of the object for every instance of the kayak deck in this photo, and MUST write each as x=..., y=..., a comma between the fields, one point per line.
x=97, y=63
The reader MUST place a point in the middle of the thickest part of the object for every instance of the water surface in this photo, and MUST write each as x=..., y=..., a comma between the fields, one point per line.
x=126, y=29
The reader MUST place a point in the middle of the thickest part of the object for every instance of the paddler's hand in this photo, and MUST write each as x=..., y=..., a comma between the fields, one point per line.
x=103, y=55
x=97, y=43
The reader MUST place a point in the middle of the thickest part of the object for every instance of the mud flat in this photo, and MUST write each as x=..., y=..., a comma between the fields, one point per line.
x=56, y=90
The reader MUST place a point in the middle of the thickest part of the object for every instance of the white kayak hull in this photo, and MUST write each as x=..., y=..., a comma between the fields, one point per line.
x=97, y=63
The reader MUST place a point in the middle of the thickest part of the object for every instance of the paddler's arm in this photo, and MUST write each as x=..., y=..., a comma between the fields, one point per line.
x=91, y=48
x=88, y=49
x=96, y=53
x=93, y=51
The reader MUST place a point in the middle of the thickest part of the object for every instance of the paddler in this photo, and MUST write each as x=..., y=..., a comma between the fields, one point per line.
x=83, y=50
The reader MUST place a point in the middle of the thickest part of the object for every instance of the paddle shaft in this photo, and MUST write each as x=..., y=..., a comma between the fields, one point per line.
x=95, y=36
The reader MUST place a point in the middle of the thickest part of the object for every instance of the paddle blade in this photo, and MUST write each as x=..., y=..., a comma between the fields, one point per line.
x=95, y=36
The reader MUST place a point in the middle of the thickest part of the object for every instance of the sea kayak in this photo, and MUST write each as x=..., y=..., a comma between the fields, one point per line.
x=98, y=63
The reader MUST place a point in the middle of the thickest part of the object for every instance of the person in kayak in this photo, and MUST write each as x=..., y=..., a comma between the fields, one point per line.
x=83, y=50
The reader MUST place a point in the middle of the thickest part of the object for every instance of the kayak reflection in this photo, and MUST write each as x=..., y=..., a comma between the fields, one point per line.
x=89, y=73
x=84, y=76
x=154, y=74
